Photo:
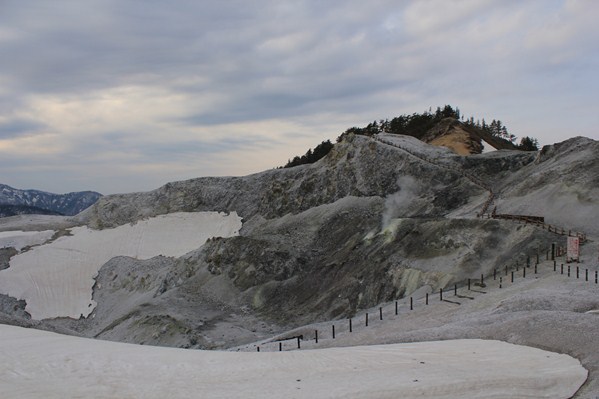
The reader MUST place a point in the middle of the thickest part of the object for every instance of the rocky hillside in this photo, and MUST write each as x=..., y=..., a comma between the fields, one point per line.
x=17, y=202
x=377, y=219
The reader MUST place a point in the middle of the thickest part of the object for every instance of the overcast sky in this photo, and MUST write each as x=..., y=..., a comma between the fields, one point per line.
x=124, y=95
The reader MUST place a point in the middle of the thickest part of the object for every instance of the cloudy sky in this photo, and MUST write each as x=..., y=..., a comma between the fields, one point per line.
x=126, y=95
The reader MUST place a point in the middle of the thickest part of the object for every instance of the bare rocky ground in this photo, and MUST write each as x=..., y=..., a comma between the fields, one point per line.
x=368, y=224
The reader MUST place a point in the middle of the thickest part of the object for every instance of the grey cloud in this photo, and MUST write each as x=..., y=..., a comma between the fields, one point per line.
x=266, y=59
x=13, y=128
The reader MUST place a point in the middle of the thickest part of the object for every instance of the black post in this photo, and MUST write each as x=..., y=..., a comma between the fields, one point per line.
x=333, y=331
x=280, y=346
x=468, y=284
x=482, y=280
x=553, y=251
x=554, y=266
x=535, y=269
x=500, y=281
x=366, y=319
x=427, y=298
x=411, y=303
x=577, y=272
x=316, y=336
x=568, y=270
x=350, y=329
x=513, y=276
x=440, y=294
x=258, y=349
x=586, y=274
x=381, y=313
x=562, y=268
x=455, y=290
x=596, y=273
x=298, y=343
x=524, y=272
x=395, y=308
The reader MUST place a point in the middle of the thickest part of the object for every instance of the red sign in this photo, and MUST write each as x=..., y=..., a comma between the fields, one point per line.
x=573, y=249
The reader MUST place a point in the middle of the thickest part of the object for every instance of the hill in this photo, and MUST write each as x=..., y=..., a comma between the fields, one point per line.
x=18, y=201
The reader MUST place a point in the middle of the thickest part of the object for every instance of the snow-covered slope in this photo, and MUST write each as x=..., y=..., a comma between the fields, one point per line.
x=57, y=279
x=40, y=364
x=20, y=239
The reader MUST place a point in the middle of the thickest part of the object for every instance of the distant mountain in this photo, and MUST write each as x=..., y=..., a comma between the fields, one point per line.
x=35, y=201
x=14, y=210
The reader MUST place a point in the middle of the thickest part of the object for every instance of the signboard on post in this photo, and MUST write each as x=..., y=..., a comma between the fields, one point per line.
x=573, y=253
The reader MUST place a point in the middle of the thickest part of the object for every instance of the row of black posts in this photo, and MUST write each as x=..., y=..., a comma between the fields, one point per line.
x=495, y=275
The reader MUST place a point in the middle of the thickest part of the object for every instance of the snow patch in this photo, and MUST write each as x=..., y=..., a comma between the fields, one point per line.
x=41, y=364
x=20, y=239
x=56, y=279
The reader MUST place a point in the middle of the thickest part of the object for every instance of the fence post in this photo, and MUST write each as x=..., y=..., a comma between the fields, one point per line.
x=513, y=276
x=427, y=298
x=366, y=319
x=316, y=336
x=396, y=308
x=500, y=281
x=568, y=270
x=482, y=280
x=298, y=343
x=554, y=265
x=536, y=269
x=280, y=346
x=258, y=349
x=562, y=272
x=350, y=329
x=553, y=251
x=380, y=313
x=411, y=303
x=333, y=331
x=586, y=274
x=440, y=294
x=596, y=273
x=455, y=290
x=494, y=274
x=524, y=272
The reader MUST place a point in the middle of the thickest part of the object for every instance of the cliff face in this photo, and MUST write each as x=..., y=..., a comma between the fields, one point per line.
x=375, y=220
x=463, y=139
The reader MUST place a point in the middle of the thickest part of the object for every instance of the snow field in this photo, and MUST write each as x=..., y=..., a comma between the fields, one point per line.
x=56, y=279
x=20, y=239
x=39, y=364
